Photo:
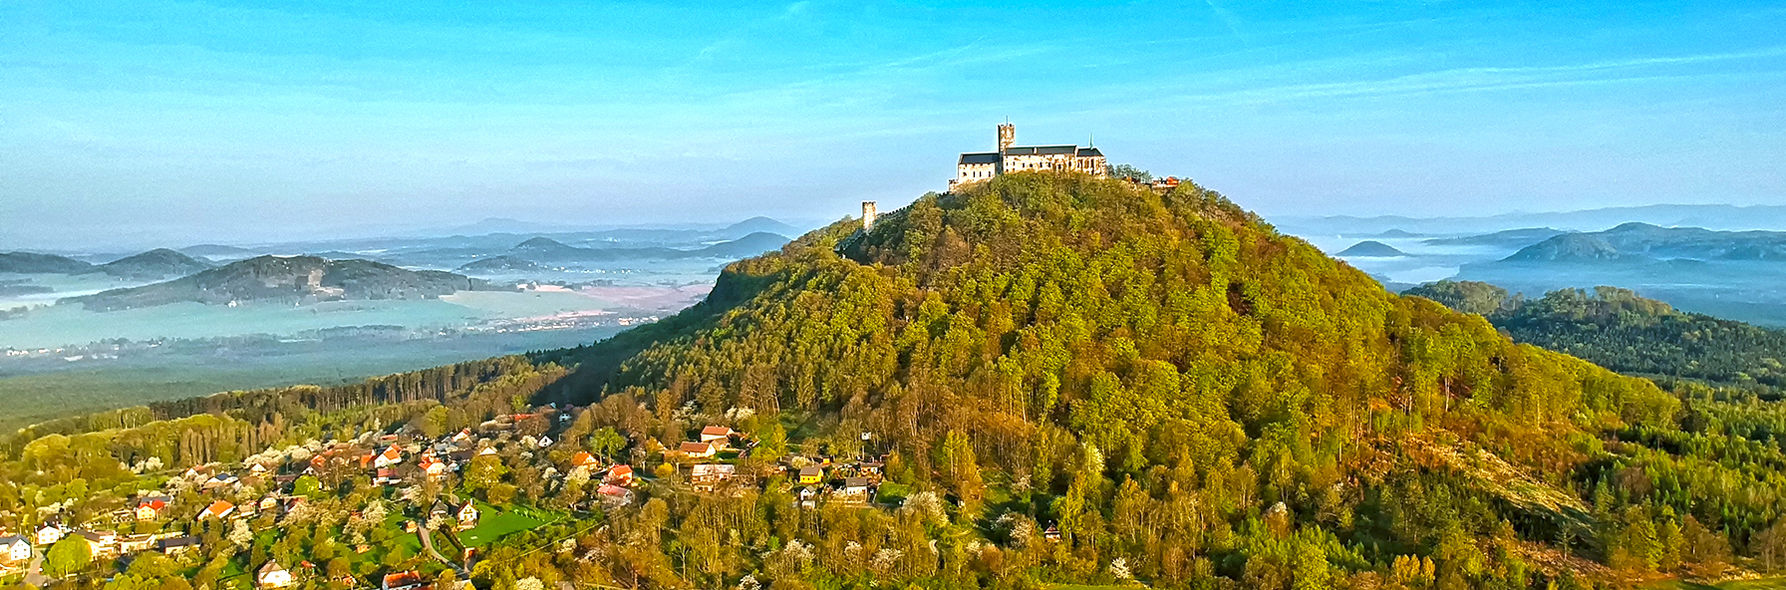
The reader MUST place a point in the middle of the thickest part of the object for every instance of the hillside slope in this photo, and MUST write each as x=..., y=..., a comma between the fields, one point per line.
x=1062, y=380
x=1103, y=349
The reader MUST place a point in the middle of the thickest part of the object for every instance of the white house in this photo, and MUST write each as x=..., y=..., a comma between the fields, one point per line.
x=15, y=548
x=49, y=533
x=272, y=575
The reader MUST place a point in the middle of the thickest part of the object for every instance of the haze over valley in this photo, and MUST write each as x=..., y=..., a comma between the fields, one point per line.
x=94, y=330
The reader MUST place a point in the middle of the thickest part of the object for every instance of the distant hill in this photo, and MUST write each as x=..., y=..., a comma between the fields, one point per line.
x=1571, y=248
x=160, y=263
x=34, y=263
x=286, y=279
x=1512, y=238
x=1643, y=242
x=1620, y=330
x=749, y=245
x=217, y=251
x=759, y=224
x=1371, y=248
x=499, y=264
x=547, y=250
x=1718, y=217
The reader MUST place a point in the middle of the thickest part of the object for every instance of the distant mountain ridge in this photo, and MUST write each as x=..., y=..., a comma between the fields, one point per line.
x=543, y=251
x=34, y=263
x=294, y=279
x=1715, y=217
x=1647, y=242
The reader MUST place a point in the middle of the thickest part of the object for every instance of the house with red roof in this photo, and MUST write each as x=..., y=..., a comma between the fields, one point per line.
x=620, y=475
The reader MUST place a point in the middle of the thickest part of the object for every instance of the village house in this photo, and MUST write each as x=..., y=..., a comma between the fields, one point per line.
x=49, y=532
x=390, y=456
x=853, y=490
x=811, y=474
x=467, y=515
x=620, y=475
x=135, y=543
x=15, y=549
x=403, y=581
x=150, y=507
x=717, y=435
x=272, y=575
x=980, y=166
x=431, y=466
x=613, y=495
x=220, y=481
x=100, y=543
x=708, y=476
x=178, y=545
x=697, y=450
x=218, y=509
x=584, y=460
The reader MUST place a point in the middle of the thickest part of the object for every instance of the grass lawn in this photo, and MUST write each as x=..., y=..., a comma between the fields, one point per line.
x=494, y=524
x=890, y=492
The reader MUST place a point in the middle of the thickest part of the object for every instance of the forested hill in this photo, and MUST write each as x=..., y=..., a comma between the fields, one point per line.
x=1620, y=330
x=1188, y=398
x=1173, y=382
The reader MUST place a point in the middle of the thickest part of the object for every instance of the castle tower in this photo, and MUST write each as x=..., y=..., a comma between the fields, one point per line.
x=1007, y=136
x=868, y=215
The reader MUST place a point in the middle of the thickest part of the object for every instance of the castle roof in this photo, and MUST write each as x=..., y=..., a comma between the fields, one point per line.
x=1031, y=150
x=1041, y=150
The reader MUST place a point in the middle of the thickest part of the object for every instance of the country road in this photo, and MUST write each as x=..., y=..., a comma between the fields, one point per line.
x=428, y=544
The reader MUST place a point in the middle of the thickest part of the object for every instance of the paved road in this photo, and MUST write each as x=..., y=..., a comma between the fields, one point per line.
x=428, y=544
x=34, y=574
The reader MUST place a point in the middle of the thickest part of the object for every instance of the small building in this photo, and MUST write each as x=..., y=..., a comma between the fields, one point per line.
x=272, y=575
x=219, y=481
x=178, y=545
x=719, y=434
x=150, y=507
x=409, y=580
x=467, y=515
x=811, y=474
x=708, y=476
x=49, y=532
x=218, y=509
x=855, y=490
x=432, y=466
x=584, y=460
x=135, y=543
x=99, y=543
x=620, y=475
x=15, y=549
x=613, y=495
x=391, y=456
x=697, y=450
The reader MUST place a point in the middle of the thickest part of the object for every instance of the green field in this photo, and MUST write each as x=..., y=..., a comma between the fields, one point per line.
x=495, y=524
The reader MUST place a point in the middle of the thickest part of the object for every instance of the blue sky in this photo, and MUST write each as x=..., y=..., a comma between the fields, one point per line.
x=152, y=121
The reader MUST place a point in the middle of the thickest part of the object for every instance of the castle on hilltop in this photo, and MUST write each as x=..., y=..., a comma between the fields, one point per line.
x=978, y=166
